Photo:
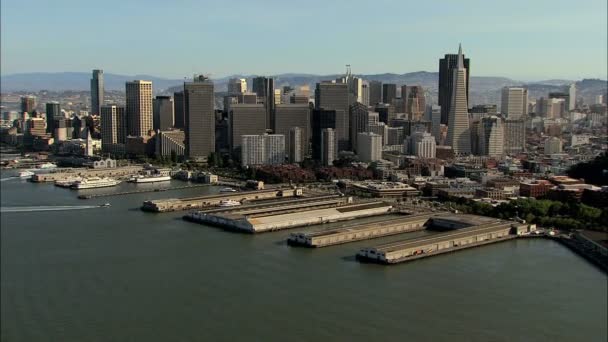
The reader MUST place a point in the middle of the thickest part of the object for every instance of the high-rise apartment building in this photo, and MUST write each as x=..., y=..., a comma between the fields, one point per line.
x=262, y=149
x=446, y=83
x=328, y=146
x=199, y=118
x=113, y=129
x=459, y=136
x=369, y=147
x=53, y=111
x=97, y=91
x=163, y=113
x=514, y=104
x=245, y=119
x=375, y=92
x=264, y=88
x=491, y=136
x=288, y=116
x=295, y=145
x=389, y=92
x=515, y=136
x=139, y=107
x=335, y=96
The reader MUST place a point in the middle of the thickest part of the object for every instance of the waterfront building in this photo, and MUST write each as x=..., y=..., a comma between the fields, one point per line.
x=163, y=113
x=199, y=118
x=97, y=91
x=514, y=103
x=459, y=136
x=139, y=107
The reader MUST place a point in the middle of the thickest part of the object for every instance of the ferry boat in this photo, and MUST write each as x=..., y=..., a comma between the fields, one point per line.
x=229, y=203
x=47, y=166
x=67, y=182
x=227, y=190
x=150, y=179
x=94, y=182
x=26, y=174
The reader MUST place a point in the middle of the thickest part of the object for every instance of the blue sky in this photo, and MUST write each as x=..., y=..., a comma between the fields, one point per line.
x=521, y=39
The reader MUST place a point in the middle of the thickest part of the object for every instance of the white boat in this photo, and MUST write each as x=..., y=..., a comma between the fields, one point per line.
x=229, y=203
x=67, y=182
x=227, y=190
x=47, y=166
x=26, y=174
x=94, y=182
x=150, y=179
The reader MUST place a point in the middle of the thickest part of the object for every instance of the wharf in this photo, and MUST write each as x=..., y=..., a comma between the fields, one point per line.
x=357, y=232
x=122, y=193
x=66, y=174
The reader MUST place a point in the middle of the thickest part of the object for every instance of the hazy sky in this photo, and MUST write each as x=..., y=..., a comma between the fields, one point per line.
x=521, y=39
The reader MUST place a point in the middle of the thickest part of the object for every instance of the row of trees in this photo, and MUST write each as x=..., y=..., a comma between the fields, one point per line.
x=571, y=215
x=593, y=172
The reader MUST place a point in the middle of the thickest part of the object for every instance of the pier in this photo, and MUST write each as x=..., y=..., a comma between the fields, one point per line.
x=122, y=193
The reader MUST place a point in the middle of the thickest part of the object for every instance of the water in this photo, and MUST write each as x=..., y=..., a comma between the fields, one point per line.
x=117, y=274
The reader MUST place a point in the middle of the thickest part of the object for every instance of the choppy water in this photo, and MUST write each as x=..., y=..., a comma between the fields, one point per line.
x=119, y=274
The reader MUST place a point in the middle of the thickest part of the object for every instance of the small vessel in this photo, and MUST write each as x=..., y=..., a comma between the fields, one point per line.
x=150, y=179
x=229, y=203
x=67, y=182
x=227, y=190
x=47, y=166
x=94, y=182
x=26, y=174
x=105, y=205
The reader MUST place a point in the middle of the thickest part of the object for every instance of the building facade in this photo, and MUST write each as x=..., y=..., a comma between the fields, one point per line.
x=459, y=136
x=199, y=118
x=139, y=107
x=97, y=91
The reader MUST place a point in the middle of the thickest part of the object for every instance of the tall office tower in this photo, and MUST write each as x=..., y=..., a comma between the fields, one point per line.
x=199, y=118
x=491, y=136
x=139, y=107
x=375, y=92
x=459, y=136
x=571, y=97
x=262, y=149
x=365, y=94
x=163, y=113
x=474, y=129
x=28, y=104
x=178, y=109
x=381, y=129
x=359, y=121
x=264, y=88
x=321, y=119
x=60, y=132
x=113, y=129
x=369, y=147
x=277, y=97
x=245, y=119
x=434, y=116
x=414, y=101
x=393, y=136
x=69, y=128
x=514, y=103
x=53, y=111
x=295, y=145
x=422, y=144
x=515, y=136
x=446, y=83
x=328, y=147
x=288, y=116
x=386, y=112
x=553, y=145
x=237, y=85
x=76, y=127
x=389, y=92
x=97, y=91
x=335, y=96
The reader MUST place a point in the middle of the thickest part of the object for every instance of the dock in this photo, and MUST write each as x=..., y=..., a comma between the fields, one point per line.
x=440, y=243
x=358, y=232
x=65, y=174
x=109, y=194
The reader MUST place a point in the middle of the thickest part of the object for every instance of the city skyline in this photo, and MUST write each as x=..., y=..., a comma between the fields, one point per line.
x=516, y=49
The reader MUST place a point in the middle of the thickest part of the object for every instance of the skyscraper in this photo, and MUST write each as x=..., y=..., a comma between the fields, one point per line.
x=163, y=113
x=359, y=121
x=53, y=111
x=178, y=109
x=139, y=107
x=245, y=119
x=491, y=136
x=414, y=101
x=335, y=96
x=264, y=88
x=446, y=83
x=113, y=129
x=389, y=92
x=321, y=119
x=572, y=96
x=97, y=91
x=515, y=136
x=369, y=147
x=422, y=144
x=28, y=104
x=375, y=92
x=237, y=85
x=328, y=147
x=295, y=145
x=514, y=103
x=288, y=116
x=199, y=118
x=459, y=136
x=262, y=149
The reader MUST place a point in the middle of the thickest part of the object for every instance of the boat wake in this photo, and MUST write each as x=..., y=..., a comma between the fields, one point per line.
x=45, y=208
x=7, y=179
